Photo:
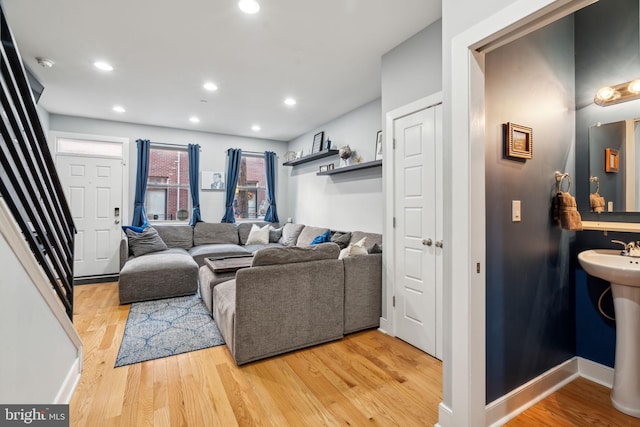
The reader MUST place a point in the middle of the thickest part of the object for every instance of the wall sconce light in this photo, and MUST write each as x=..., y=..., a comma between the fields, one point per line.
x=622, y=92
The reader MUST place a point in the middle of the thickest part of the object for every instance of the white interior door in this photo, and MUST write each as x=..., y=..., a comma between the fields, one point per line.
x=93, y=187
x=418, y=230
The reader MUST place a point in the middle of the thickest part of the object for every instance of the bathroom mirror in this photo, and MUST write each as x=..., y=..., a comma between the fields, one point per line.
x=614, y=152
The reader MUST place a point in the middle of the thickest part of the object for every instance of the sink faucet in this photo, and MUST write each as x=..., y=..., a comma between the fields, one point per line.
x=628, y=247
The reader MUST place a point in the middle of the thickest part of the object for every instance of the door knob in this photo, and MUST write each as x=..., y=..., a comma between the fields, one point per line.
x=117, y=221
x=439, y=244
x=427, y=242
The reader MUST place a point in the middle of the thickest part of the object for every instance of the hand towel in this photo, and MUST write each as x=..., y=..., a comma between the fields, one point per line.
x=596, y=201
x=566, y=212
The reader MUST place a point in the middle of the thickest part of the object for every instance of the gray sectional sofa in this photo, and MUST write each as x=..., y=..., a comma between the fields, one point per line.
x=294, y=295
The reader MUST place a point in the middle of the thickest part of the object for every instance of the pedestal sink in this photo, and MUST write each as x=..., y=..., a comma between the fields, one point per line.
x=623, y=272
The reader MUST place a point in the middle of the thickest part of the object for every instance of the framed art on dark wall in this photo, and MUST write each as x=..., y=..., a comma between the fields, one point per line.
x=612, y=160
x=518, y=141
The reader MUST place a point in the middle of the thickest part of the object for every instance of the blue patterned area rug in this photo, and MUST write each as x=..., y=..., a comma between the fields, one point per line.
x=167, y=327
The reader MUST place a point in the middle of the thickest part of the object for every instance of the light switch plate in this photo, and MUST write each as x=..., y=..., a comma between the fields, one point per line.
x=515, y=211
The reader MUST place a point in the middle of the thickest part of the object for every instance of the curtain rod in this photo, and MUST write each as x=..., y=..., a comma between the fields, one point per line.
x=164, y=144
x=257, y=153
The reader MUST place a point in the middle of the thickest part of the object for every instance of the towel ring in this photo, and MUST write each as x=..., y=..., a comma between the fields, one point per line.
x=597, y=181
x=559, y=178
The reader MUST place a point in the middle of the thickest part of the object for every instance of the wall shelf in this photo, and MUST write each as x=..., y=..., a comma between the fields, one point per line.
x=357, y=166
x=311, y=157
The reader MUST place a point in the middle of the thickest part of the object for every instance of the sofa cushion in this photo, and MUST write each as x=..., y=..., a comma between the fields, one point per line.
x=176, y=236
x=254, y=248
x=372, y=239
x=309, y=233
x=206, y=233
x=258, y=236
x=219, y=250
x=290, y=233
x=224, y=310
x=294, y=254
x=146, y=242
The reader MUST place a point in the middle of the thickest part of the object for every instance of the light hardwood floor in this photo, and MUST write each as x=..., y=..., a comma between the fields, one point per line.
x=367, y=378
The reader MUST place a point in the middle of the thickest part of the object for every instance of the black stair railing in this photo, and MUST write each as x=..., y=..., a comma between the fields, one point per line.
x=29, y=184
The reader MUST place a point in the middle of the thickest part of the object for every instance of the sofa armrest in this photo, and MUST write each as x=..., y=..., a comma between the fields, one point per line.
x=362, y=292
x=124, y=248
x=280, y=308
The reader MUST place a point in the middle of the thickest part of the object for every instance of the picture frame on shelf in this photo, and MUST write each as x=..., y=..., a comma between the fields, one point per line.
x=518, y=141
x=379, y=145
x=326, y=168
x=317, y=142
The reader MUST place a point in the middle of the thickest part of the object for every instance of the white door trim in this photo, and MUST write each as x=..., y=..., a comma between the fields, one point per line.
x=388, y=268
x=53, y=145
x=464, y=367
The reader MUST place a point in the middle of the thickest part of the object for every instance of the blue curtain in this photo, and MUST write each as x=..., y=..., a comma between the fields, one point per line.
x=194, y=166
x=142, y=174
x=233, y=170
x=270, y=171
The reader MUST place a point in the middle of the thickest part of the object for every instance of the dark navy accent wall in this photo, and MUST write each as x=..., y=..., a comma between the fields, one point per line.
x=530, y=317
x=607, y=52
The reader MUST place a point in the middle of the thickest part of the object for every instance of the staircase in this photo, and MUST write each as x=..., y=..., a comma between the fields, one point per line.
x=29, y=184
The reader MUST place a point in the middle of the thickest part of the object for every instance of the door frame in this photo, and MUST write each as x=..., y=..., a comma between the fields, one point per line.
x=124, y=204
x=387, y=321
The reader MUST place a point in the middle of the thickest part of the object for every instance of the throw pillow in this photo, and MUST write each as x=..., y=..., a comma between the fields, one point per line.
x=341, y=239
x=274, y=234
x=354, y=249
x=323, y=238
x=290, y=233
x=132, y=227
x=376, y=249
x=146, y=242
x=258, y=236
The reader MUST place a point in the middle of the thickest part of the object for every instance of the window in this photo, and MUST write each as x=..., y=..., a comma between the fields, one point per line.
x=251, y=192
x=168, y=197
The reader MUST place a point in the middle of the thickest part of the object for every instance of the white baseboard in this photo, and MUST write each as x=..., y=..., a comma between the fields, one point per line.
x=70, y=382
x=384, y=326
x=512, y=404
x=595, y=372
x=445, y=416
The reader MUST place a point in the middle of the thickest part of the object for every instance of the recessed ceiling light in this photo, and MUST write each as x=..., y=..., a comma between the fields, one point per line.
x=249, y=6
x=103, y=66
x=210, y=86
x=119, y=109
x=256, y=128
x=194, y=119
x=290, y=101
x=44, y=62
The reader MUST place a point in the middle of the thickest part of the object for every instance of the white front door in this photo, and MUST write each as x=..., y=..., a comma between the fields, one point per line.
x=93, y=188
x=418, y=230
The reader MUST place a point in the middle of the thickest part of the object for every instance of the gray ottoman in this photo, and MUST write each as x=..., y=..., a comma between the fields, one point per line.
x=208, y=280
x=165, y=274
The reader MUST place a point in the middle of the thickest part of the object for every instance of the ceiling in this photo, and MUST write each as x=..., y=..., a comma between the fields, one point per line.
x=326, y=54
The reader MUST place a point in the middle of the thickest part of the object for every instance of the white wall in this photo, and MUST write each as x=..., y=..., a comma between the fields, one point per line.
x=39, y=360
x=349, y=201
x=213, y=155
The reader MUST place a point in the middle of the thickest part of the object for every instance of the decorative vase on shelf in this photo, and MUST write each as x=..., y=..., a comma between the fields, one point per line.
x=345, y=155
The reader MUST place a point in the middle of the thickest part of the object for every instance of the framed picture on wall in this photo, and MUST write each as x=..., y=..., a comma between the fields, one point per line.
x=212, y=180
x=317, y=142
x=518, y=141
x=379, y=145
x=612, y=160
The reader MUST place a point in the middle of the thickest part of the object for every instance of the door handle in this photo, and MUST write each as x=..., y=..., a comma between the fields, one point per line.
x=427, y=242
x=439, y=244
x=117, y=221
